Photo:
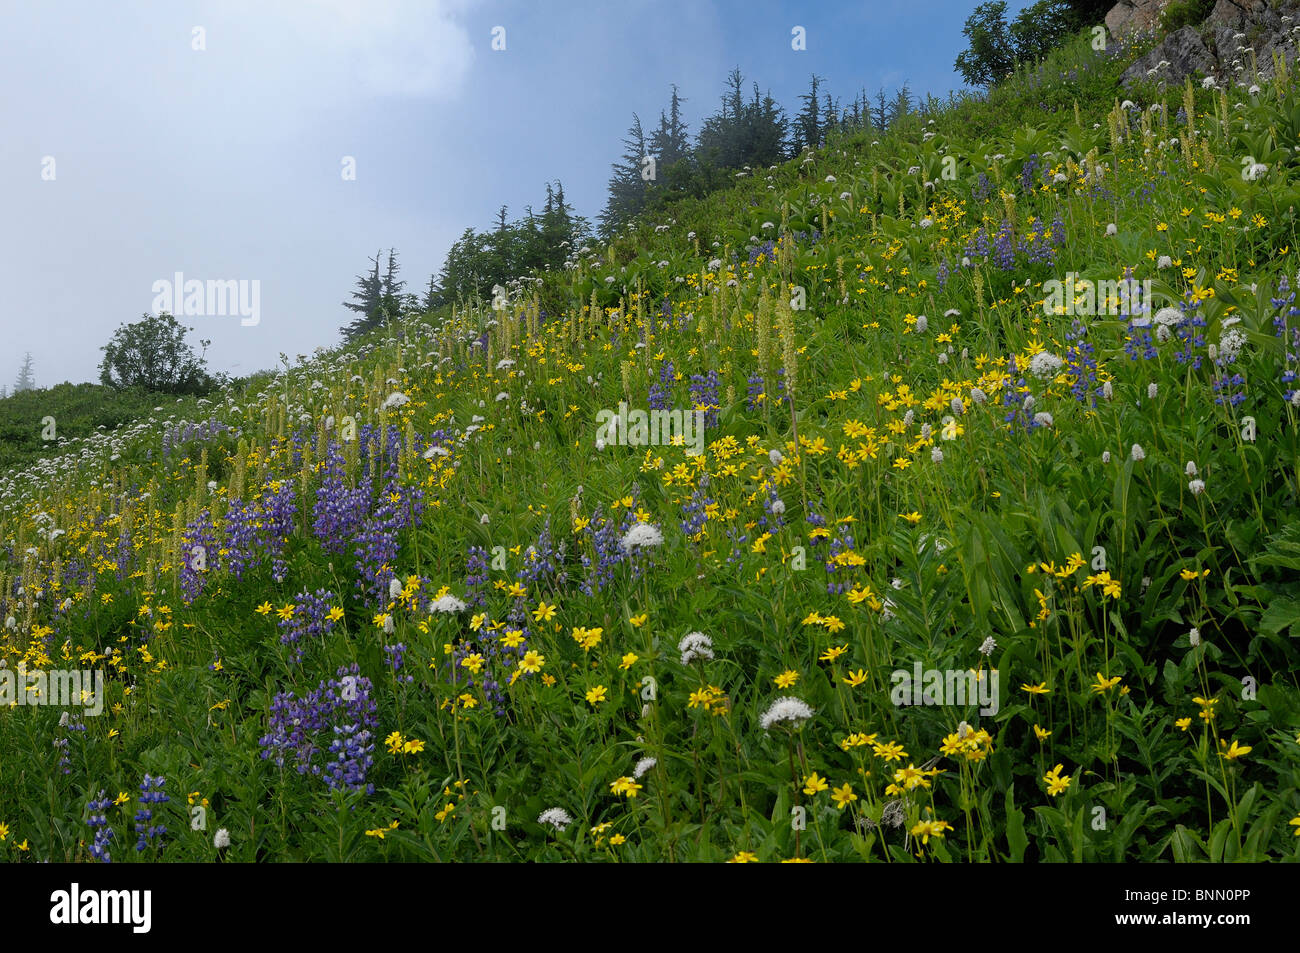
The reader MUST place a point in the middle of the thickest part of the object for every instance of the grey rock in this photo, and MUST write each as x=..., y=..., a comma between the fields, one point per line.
x=1184, y=51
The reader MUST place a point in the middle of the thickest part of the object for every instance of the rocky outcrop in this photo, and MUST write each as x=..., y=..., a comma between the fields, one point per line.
x=1182, y=53
x=1221, y=47
x=1133, y=16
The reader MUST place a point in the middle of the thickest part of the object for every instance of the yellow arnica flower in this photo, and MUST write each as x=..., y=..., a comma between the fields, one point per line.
x=1103, y=684
x=1234, y=751
x=813, y=783
x=927, y=829
x=843, y=796
x=746, y=857
x=1056, y=783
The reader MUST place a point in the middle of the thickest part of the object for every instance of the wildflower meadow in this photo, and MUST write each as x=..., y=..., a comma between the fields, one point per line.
x=928, y=497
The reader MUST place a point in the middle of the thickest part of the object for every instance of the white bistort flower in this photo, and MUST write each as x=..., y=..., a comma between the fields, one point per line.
x=642, y=766
x=1197, y=487
x=1044, y=365
x=221, y=839
x=1230, y=344
x=1137, y=453
x=641, y=536
x=695, y=645
x=448, y=604
x=786, y=710
x=557, y=817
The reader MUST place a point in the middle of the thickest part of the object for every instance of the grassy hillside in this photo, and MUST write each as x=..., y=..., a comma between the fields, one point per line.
x=399, y=603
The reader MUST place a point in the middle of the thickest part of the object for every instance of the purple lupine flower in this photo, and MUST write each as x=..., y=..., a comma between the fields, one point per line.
x=98, y=822
x=339, y=709
x=704, y=396
x=310, y=619
x=151, y=792
x=197, y=542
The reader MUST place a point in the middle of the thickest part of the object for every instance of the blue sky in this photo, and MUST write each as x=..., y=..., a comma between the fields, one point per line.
x=225, y=162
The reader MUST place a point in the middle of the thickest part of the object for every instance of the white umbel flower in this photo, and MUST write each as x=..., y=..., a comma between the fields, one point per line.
x=396, y=399
x=775, y=457
x=641, y=536
x=557, y=817
x=448, y=604
x=1044, y=365
x=695, y=645
x=786, y=710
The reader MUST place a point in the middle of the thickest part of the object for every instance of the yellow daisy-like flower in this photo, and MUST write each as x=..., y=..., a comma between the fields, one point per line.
x=854, y=679
x=1103, y=684
x=628, y=660
x=1042, y=733
x=747, y=857
x=889, y=751
x=1056, y=782
x=843, y=796
x=913, y=517
x=1183, y=723
x=543, y=612
x=596, y=695
x=532, y=661
x=1039, y=689
x=639, y=620
x=786, y=678
x=834, y=652
x=927, y=829
x=1233, y=752
x=814, y=783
